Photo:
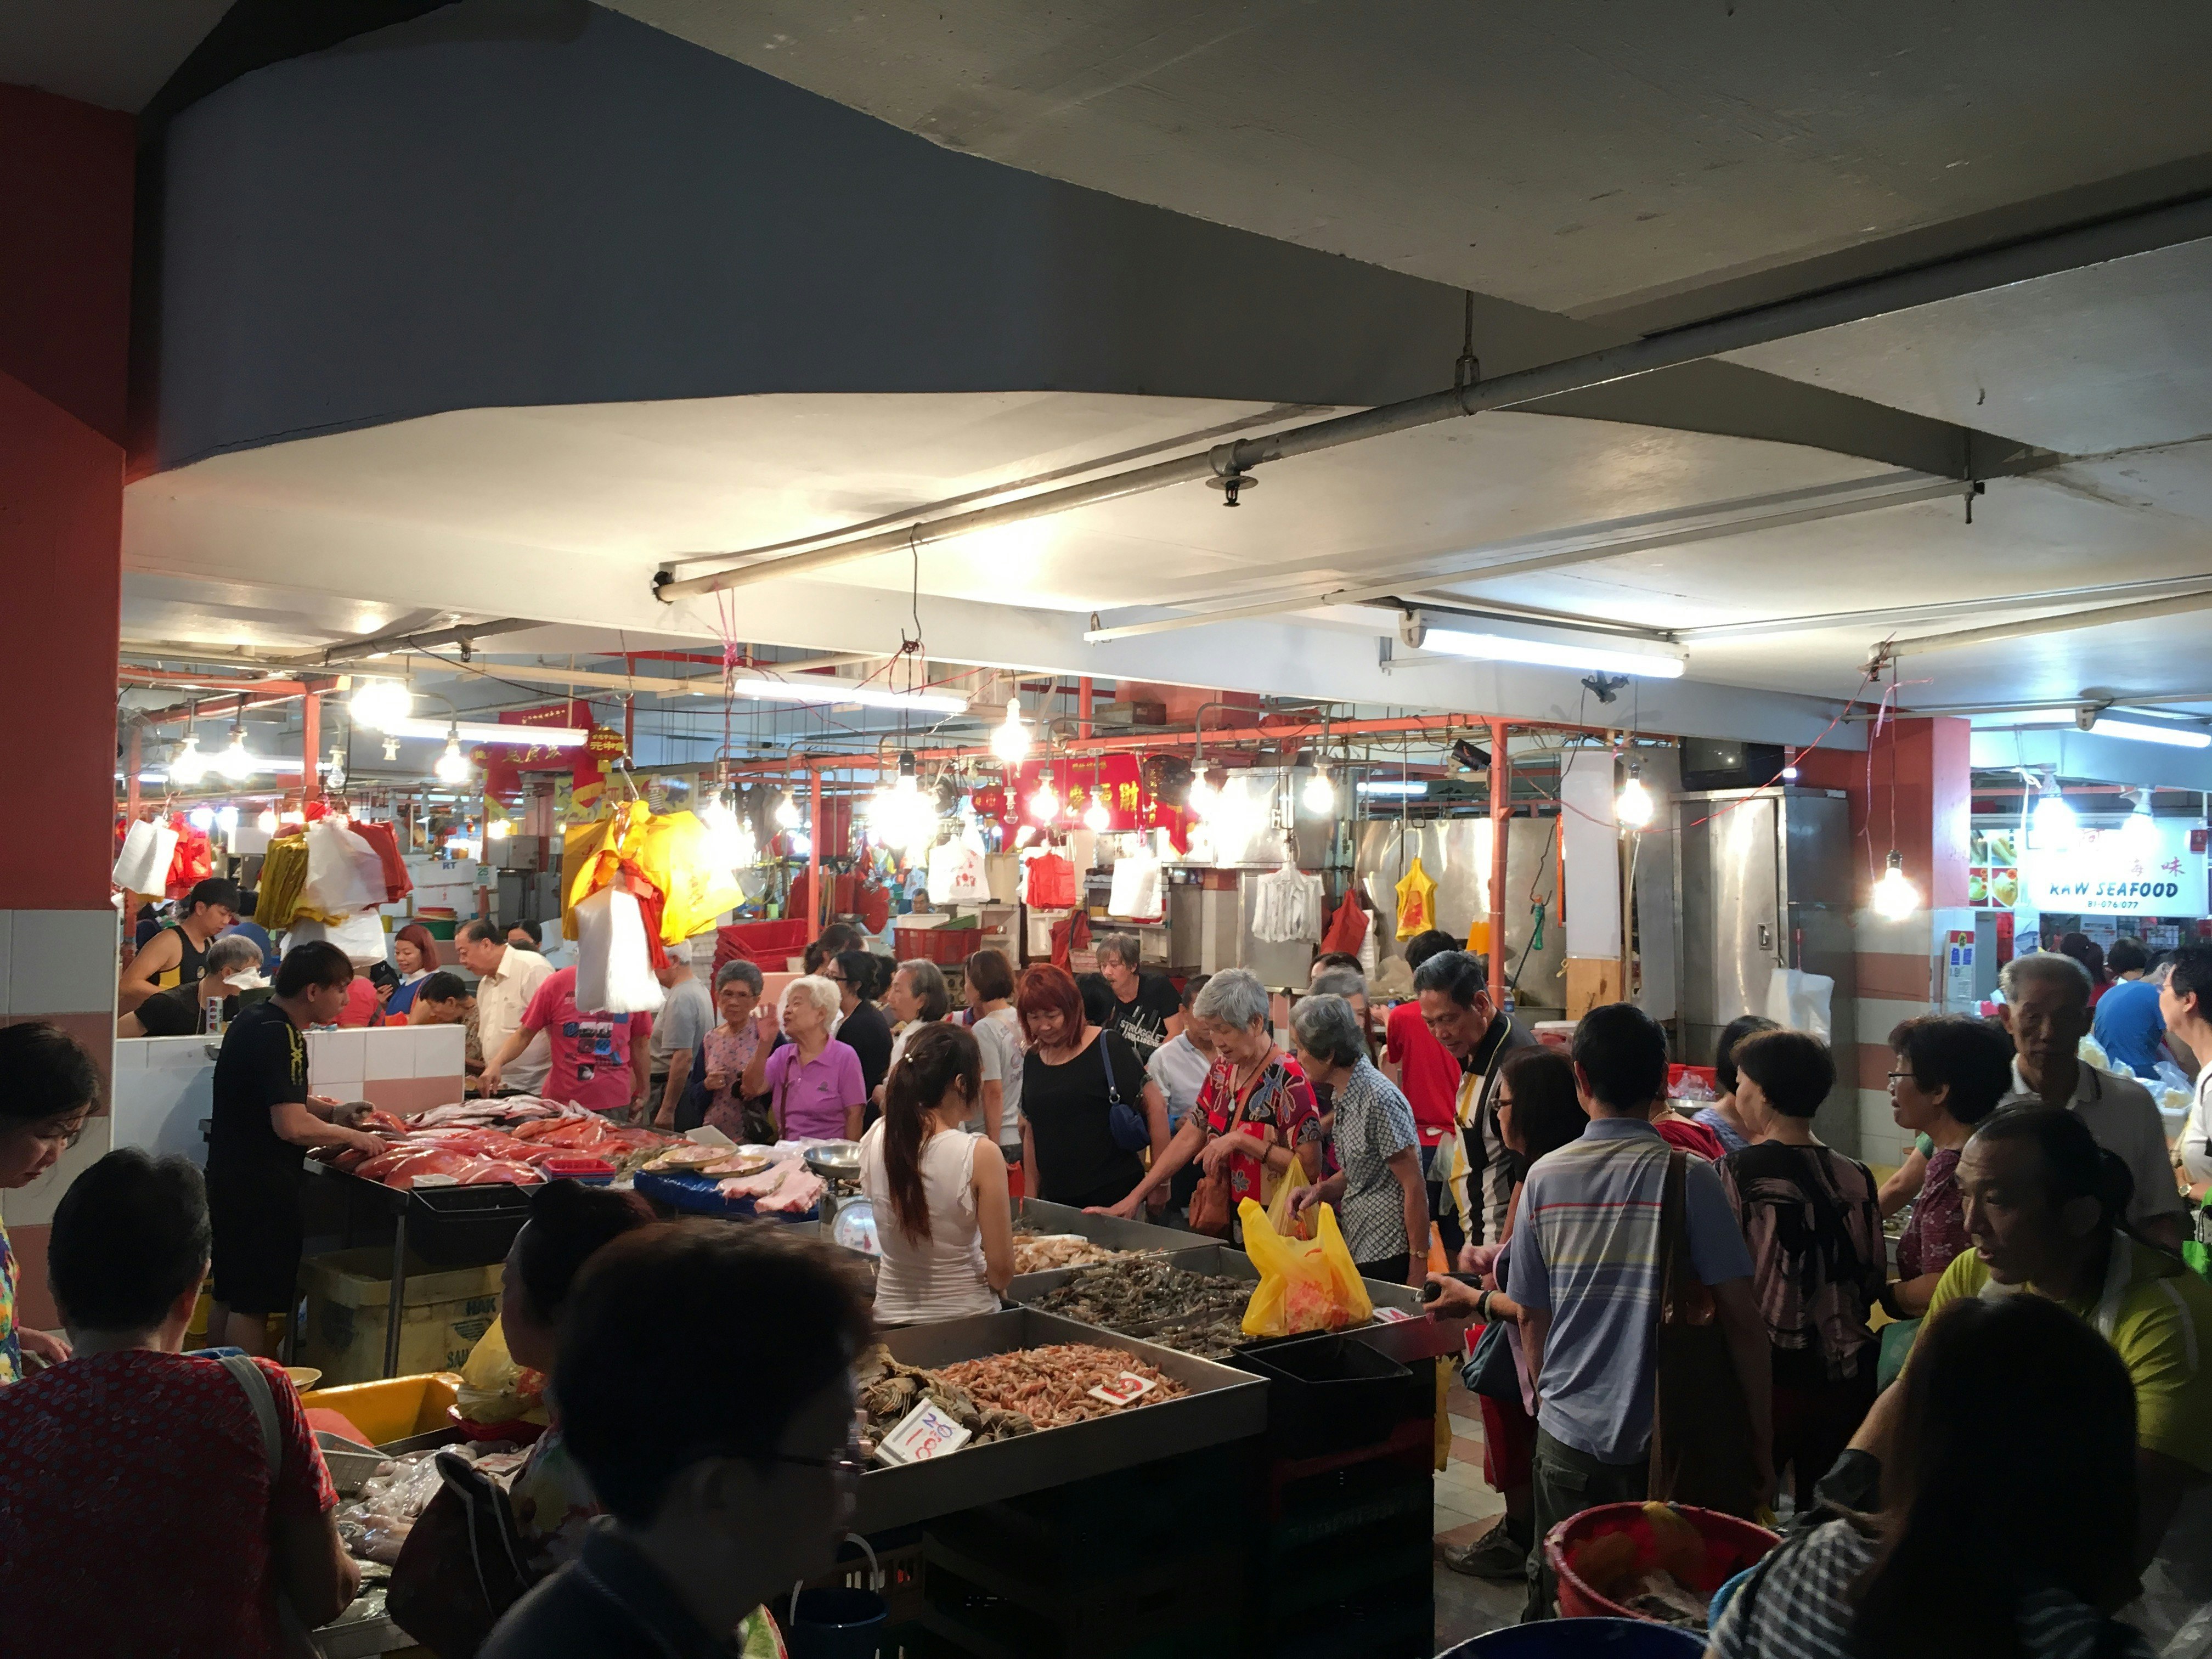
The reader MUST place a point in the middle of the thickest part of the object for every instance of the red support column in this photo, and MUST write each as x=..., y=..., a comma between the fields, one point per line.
x=1501, y=805
x=65, y=197
x=813, y=853
x=311, y=746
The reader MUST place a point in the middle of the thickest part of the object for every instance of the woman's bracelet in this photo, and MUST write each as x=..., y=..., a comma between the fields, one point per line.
x=1482, y=1306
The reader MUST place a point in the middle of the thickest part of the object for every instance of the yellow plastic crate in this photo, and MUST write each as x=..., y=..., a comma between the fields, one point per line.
x=394, y=1408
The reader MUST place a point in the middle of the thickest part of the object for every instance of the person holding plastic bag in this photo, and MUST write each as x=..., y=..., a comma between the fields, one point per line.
x=1305, y=1284
x=598, y=1058
x=1255, y=1123
x=1378, y=1191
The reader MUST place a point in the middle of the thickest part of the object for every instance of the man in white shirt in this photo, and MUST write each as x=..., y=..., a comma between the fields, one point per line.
x=506, y=980
x=2185, y=1001
x=2046, y=1009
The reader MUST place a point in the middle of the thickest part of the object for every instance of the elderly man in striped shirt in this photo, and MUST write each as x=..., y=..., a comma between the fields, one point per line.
x=1585, y=1267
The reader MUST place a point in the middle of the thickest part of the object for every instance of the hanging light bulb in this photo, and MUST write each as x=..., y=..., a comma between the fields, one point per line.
x=335, y=772
x=500, y=829
x=1633, y=805
x=452, y=766
x=2139, y=835
x=1894, y=897
x=2052, y=827
x=202, y=818
x=226, y=820
x=380, y=705
x=1201, y=800
x=266, y=824
x=730, y=844
x=787, y=813
x=1320, y=793
x=188, y=765
x=1095, y=817
x=234, y=763
x=1044, y=805
x=1011, y=742
x=801, y=842
x=390, y=748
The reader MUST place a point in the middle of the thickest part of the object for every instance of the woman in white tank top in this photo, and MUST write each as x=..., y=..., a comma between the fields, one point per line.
x=944, y=1224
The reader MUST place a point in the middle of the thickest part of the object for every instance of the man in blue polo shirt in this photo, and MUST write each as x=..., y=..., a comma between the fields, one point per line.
x=1583, y=1265
x=2129, y=1026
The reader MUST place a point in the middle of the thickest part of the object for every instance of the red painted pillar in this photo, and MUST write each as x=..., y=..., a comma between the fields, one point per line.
x=64, y=315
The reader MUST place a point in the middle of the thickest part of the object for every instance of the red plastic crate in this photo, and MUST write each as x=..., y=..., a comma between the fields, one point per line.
x=937, y=943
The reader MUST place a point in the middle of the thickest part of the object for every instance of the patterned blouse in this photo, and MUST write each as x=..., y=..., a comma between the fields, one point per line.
x=730, y=1053
x=1936, y=1233
x=11, y=1349
x=1279, y=1109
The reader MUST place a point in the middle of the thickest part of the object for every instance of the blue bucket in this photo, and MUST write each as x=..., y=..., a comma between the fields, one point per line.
x=1583, y=1638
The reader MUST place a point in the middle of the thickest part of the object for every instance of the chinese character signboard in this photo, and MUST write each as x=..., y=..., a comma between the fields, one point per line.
x=2147, y=868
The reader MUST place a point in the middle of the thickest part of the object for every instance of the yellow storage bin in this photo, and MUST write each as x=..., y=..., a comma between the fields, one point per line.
x=393, y=1409
x=349, y=1298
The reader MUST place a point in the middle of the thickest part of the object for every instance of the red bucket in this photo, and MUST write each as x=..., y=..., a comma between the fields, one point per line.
x=1730, y=1545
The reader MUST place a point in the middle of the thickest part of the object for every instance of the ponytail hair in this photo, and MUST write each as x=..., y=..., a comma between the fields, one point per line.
x=938, y=1060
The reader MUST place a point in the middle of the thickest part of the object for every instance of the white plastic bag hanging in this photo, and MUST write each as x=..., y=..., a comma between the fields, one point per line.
x=1135, y=893
x=361, y=936
x=344, y=874
x=142, y=866
x=614, y=966
x=1799, y=1000
x=969, y=882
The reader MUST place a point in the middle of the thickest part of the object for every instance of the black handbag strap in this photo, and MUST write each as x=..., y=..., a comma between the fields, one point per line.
x=1113, y=1088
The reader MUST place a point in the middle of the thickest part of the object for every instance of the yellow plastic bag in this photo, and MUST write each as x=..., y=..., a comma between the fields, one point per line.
x=677, y=860
x=591, y=855
x=1311, y=1285
x=1279, y=1205
x=495, y=1389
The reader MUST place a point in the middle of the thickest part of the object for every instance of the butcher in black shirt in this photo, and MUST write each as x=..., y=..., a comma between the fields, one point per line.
x=178, y=1010
x=263, y=1119
x=1146, y=1011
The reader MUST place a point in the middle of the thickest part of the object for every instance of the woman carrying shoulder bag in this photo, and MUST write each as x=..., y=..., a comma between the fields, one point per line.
x=1077, y=1080
x=133, y=1443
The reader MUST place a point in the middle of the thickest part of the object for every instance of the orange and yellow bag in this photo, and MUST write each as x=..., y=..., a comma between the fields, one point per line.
x=1304, y=1285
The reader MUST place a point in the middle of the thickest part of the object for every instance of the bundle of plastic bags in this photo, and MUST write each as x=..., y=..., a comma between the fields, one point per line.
x=142, y=865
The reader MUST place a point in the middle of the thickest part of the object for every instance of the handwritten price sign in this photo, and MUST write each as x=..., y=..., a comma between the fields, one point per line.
x=1124, y=1388
x=927, y=1432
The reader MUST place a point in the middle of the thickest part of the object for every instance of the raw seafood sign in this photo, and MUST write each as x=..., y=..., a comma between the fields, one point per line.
x=2120, y=872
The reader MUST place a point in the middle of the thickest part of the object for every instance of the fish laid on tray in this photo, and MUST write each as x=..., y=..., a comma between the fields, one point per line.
x=489, y=1145
x=1197, y=1314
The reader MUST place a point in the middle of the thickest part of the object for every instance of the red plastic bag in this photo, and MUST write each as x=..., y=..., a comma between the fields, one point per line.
x=398, y=884
x=193, y=861
x=1051, y=883
x=1347, y=927
x=1069, y=935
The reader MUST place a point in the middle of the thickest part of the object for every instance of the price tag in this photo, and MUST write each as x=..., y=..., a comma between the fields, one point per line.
x=928, y=1431
x=1392, y=1315
x=1123, y=1388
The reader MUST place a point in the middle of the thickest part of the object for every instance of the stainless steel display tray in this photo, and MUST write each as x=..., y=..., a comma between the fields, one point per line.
x=1223, y=1405
x=1034, y=1215
x=1219, y=1261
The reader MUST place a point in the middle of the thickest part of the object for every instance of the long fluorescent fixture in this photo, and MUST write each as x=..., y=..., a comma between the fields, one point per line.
x=556, y=737
x=1496, y=640
x=1392, y=787
x=2179, y=737
x=2174, y=736
x=832, y=691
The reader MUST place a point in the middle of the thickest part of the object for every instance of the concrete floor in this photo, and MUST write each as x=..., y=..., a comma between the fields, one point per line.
x=1465, y=1508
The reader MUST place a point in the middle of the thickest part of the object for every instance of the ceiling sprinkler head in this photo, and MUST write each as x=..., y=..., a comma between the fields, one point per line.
x=1230, y=485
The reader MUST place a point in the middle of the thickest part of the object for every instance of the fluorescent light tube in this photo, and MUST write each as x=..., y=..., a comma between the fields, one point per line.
x=555, y=737
x=1497, y=640
x=2179, y=737
x=820, y=690
x=1393, y=786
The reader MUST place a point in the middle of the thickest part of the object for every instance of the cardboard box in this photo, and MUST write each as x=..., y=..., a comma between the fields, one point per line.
x=348, y=1294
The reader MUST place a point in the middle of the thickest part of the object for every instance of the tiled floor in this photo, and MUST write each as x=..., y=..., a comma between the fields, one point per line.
x=1465, y=1508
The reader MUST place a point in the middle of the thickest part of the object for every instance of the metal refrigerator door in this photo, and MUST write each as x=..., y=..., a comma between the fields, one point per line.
x=1731, y=910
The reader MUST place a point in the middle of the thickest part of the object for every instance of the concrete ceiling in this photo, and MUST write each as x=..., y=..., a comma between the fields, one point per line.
x=115, y=53
x=1587, y=157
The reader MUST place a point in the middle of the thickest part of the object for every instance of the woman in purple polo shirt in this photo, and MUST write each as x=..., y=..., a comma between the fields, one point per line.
x=814, y=1085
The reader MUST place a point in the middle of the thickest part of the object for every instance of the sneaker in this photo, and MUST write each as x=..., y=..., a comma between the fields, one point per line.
x=1497, y=1554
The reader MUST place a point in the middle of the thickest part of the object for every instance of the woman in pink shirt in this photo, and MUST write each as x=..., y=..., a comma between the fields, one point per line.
x=815, y=1088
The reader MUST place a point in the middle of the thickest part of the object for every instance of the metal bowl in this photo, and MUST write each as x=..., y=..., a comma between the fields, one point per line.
x=835, y=1160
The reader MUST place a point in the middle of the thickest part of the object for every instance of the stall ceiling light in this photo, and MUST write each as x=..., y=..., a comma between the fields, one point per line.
x=1392, y=787
x=1496, y=640
x=2174, y=736
x=556, y=737
x=833, y=691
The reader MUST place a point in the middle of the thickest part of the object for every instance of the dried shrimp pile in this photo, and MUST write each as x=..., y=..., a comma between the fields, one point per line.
x=1052, y=1386
x=1197, y=1314
x=1037, y=1253
x=889, y=1390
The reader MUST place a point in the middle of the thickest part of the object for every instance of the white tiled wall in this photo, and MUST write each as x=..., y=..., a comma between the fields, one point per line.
x=33, y=1205
x=57, y=962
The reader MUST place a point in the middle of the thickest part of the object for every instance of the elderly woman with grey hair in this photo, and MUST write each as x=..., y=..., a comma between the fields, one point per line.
x=918, y=996
x=1377, y=1190
x=1255, y=1120
x=730, y=1064
x=178, y=1010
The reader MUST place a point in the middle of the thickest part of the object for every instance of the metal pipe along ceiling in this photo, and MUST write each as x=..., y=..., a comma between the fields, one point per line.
x=2065, y=622
x=1848, y=302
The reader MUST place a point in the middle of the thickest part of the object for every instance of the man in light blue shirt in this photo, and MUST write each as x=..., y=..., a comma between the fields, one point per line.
x=1582, y=1264
x=2129, y=1026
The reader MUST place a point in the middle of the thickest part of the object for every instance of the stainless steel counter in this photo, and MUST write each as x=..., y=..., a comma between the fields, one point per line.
x=1034, y=1215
